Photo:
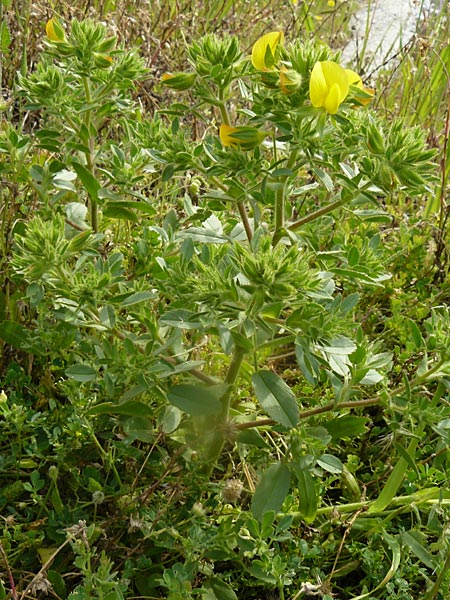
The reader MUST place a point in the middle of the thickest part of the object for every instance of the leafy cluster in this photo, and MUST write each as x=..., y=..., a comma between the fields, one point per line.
x=217, y=382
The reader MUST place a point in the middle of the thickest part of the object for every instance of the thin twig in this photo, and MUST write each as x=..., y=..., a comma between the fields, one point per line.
x=10, y=575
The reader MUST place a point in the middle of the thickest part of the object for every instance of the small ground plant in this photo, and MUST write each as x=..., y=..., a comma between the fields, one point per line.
x=216, y=389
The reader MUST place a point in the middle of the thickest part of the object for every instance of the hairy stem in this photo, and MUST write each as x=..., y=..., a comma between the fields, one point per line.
x=90, y=154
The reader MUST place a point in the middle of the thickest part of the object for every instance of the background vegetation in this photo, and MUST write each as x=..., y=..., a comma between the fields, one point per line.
x=225, y=366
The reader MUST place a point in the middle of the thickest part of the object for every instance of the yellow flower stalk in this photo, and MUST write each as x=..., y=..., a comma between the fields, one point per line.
x=264, y=49
x=54, y=31
x=329, y=86
x=241, y=137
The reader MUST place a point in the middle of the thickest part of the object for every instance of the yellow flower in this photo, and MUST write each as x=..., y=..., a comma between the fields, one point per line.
x=241, y=137
x=331, y=3
x=54, y=31
x=367, y=93
x=263, y=51
x=329, y=86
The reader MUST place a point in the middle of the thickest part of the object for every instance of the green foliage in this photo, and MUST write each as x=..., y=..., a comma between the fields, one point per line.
x=228, y=378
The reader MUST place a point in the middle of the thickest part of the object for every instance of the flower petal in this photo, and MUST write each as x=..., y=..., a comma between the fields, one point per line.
x=329, y=85
x=263, y=51
x=353, y=78
x=317, y=86
x=335, y=74
x=333, y=99
x=225, y=134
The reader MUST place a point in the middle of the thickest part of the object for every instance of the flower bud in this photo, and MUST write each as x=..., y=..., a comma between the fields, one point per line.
x=241, y=137
x=290, y=81
x=102, y=61
x=350, y=485
x=54, y=31
x=375, y=141
x=179, y=81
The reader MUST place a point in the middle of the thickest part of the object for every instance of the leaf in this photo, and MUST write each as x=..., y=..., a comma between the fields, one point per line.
x=324, y=178
x=276, y=397
x=132, y=409
x=77, y=213
x=307, y=493
x=5, y=37
x=87, y=179
x=116, y=211
x=197, y=400
x=81, y=373
x=330, y=463
x=139, y=428
x=396, y=476
x=137, y=297
x=417, y=546
x=170, y=419
x=13, y=333
x=107, y=316
x=252, y=437
x=271, y=490
x=219, y=590
x=396, y=555
x=184, y=319
x=58, y=583
x=339, y=345
x=347, y=426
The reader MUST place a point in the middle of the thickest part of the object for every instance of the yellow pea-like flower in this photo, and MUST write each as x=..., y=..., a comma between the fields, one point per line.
x=264, y=49
x=54, y=31
x=329, y=86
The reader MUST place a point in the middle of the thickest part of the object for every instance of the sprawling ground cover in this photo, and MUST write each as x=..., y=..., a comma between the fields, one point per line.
x=223, y=313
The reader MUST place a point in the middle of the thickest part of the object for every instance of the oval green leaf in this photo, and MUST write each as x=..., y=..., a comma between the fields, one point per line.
x=308, y=495
x=271, y=490
x=81, y=373
x=196, y=400
x=276, y=397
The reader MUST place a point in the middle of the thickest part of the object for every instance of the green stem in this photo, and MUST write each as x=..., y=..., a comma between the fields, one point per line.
x=332, y=407
x=318, y=213
x=434, y=591
x=431, y=497
x=90, y=154
x=217, y=437
x=280, y=201
x=245, y=220
x=231, y=376
x=222, y=107
x=106, y=457
x=241, y=206
x=279, y=214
